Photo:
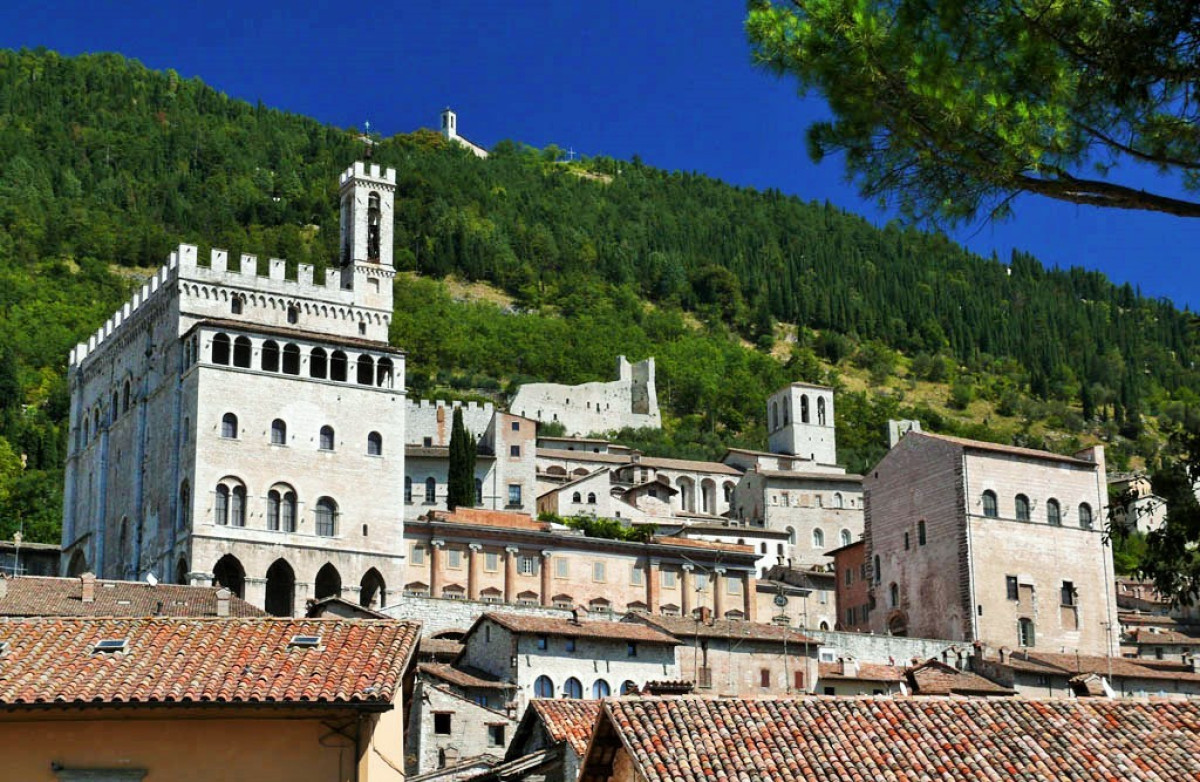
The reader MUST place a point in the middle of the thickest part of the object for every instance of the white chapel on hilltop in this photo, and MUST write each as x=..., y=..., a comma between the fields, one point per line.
x=450, y=133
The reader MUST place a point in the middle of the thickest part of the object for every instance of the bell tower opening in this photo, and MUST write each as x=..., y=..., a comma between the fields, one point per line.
x=373, y=227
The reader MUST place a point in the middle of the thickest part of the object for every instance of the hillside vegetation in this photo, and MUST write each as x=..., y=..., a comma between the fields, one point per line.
x=524, y=267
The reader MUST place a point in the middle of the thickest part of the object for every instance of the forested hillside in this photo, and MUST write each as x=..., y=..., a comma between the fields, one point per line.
x=105, y=166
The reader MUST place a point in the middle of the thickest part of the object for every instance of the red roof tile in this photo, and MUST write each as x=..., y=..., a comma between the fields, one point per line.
x=683, y=627
x=568, y=720
x=544, y=625
x=189, y=661
x=867, y=672
x=936, y=678
x=464, y=677
x=788, y=740
x=1012, y=450
x=488, y=518
x=47, y=596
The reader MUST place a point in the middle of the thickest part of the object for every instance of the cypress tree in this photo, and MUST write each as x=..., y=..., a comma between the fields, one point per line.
x=461, y=490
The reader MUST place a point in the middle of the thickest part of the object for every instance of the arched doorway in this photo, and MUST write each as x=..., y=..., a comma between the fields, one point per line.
x=897, y=624
x=372, y=592
x=78, y=565
x=229, y=573
x=181, y=572
x=328, y=583
x=281, y=589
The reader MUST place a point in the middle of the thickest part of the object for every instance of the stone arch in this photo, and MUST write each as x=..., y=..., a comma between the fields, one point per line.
x=897, y=624
x=687, y=493
x=328, y=582
x=372, y=590
x=281, y=589
x=229, y=573
x=804, y=409
x=708, y=496
x=181, y=571
x=78, y=565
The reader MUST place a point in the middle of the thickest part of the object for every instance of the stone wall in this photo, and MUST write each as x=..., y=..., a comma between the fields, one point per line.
x=469, y=734
x=594, y=407
x=439, y=614
x=883, y=649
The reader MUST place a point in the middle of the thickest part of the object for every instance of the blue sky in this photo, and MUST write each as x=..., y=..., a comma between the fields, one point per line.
x=669, y=80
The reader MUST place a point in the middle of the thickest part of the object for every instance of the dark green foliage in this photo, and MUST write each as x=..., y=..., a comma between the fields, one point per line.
x=609, y=529
x=460, y=489
x=105, y=165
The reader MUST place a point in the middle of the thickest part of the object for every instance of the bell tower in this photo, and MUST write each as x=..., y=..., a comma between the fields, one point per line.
x=367, y=197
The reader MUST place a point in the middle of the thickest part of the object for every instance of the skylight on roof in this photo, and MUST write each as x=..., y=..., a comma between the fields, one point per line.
x=108, y=645
x=305, y=641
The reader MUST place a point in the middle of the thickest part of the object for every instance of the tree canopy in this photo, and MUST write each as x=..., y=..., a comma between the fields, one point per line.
x=953, y=107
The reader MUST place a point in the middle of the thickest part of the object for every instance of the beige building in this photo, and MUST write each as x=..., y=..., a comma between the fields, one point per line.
x=971, y=540
x=245, y=429
x=196, y=700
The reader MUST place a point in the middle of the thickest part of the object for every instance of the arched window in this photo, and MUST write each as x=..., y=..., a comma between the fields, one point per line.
x=96, y=422
x=278, y=432
x=374, y=227
x=221, y=507
x=804, y=409
x=791, y=533
x=407, y=489
x=774, y=416
x=318, y=363
x=818, y=538
x=878, y=571
x=291, y=359
x=237, y=507
x=116, y=405
x=287, y=510
x=125, y=400
x=338, y=366
x=1025, y=634
x=430, y=490
x=989, y=504
x=894, y=594
x=185, y=504
x=1022, y=505
x=327, y=438
x=328, y=582
x=281, y=589
x=270, y=356
x=366, y=371
x=728, y=489
x=384, y=373
x=921, y=532
x=572, y=688
x=821, y=410
x=478, y=491
x=241, y=352
x=1085, y=515
x=845, y=537
x=591, y=498
x=601, y=689
x=374, y=444
x=274, y=500
x=1053, y=513
x=293, y=314
x=543, y=687
x=229, y=573
x=787, y=411
x=220, y=349
x=235, y=304
x=326, y=517
x=229, y=426
x=576, y=498
x=838, y=501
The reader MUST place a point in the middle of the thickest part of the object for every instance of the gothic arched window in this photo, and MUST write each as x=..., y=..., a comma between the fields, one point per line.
x=374, y=226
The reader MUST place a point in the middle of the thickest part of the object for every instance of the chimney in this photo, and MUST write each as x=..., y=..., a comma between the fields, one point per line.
x=88, y=582
x=706, y=615
x=849, y=666
x=223, y=596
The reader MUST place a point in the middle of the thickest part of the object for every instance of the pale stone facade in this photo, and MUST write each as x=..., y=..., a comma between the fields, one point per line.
x=629, y=401
x=974, y=541
x=450, y=133
x=446, y=727
x=800, y=422
x=247, y=429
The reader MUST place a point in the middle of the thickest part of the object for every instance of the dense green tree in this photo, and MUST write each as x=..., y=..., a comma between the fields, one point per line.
x=954, y=107
x=460, y=491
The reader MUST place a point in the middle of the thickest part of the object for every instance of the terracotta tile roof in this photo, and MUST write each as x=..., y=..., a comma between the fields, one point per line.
x=189, y=661
x=683, y=627
x=488, y=518
x=788, y=740
x=867, y=672
x=49, y=596
x=935, y=678
x=465, y=676
x=1144, y=636
x=844, y=477
x=1054, y=663
x=1013, y=450
x=440, y=647
x=544, y=625
x=707, y=544
x=688, y=465
x=568, y=720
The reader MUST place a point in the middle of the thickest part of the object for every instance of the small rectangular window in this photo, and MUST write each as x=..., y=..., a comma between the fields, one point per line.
x=453, y=558
x=516, y=426
x=491, y=561
x=798, y=680
x=514, y=494
x=635, y=576
x=764, y=677
x=543, y=642
x=1068, y=593
x=418, y=554
x=562, y=567
x=733, y=586
x=528, y=566
x=668, y=579
x=701, y=582
x=1010, y=585
x=514, y=450
x=598, y=572
x=441, y=723
x=631, y=649
x=427, y=442
x=906, y=541
x=849, y=576
x=495, y=735
x=570, y=645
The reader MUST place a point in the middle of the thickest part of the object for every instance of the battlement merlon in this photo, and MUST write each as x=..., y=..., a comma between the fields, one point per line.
x=373, y=174
x=182, y=266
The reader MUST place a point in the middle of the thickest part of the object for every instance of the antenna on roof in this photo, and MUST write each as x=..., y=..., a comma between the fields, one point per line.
x=152, y=579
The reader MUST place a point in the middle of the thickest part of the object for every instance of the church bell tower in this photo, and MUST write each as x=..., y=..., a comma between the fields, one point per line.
x=367, y=197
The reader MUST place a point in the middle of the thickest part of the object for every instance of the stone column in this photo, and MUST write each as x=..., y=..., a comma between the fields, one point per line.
x=473, y=556
x=653, y=581
x=547, y=586
x=256, y=591
x=300, y=598
x=510, y=574
x=750, y=596
x=352, y=593
x=435, y=566
x=718, y=585
x=687, y=588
